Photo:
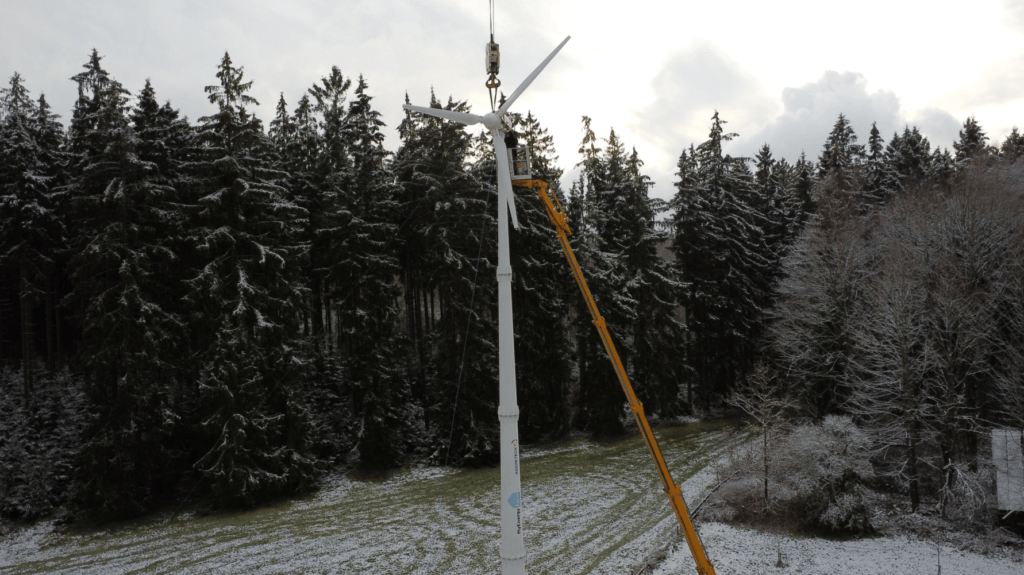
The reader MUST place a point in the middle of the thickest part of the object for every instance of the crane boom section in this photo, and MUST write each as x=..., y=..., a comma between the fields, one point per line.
x=557, y=216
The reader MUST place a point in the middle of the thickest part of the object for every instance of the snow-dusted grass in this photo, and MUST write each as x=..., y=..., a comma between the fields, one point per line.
x=738, y=550
x=901, y=548
x=590, y=507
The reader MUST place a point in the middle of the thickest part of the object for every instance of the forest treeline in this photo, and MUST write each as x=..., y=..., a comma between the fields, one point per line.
x=225, y=310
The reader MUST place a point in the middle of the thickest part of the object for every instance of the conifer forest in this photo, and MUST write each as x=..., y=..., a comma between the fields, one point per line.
x=226, y=310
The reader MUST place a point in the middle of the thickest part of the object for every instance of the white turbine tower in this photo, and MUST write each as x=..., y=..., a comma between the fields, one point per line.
x=513, y=551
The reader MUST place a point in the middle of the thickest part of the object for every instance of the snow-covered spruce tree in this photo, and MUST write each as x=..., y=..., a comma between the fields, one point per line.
x=802, y=193
x=51, y=143
x=31, y=231
x=658, y=335
x=771, y=192
x=880, y=179
x=369, y=314
x=122, y=268
x=841, y=155
x=942, y=168
x=601, y=400
x=909, y=157
x=39, y=444
x=773, y=198
x=299, y=141
x=324, y=196
x=723, y=262
x=244, y=308
x=972, y=142
x=1012, y=148
x=439, y=258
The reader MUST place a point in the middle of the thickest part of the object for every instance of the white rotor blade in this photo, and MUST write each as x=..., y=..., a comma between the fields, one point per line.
x=460, y=117
x=505, y=193
x=529, y=79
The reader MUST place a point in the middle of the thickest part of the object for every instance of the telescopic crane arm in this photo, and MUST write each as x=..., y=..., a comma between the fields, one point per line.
x=557, y=216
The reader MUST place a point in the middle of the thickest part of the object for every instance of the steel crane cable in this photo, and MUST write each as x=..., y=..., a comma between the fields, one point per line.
x=493, y=83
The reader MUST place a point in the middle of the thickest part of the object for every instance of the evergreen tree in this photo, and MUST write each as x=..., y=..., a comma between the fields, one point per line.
x=324, y=196
x=369, y=318
x=122, y=256
x=601, y=400
x=880, y=180
x=299, y=140
x=541, y=284
x=1013, y=146
x=30, y=229
x=724, y=262
x=244, y=305
x=909, y=157
x=972, y=142
x=770, y=192
x=942, y=167
x=441, y=242
x=650, y=280
x=802, y=197
x=841, y=156
x=50, y=141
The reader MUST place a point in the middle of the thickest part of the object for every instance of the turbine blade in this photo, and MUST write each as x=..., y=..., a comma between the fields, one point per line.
x=512, y=207
x=460, y=117
x=505, y=193
x=529, y=79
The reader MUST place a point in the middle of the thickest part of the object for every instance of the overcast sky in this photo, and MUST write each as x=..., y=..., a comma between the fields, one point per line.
x=654, y=70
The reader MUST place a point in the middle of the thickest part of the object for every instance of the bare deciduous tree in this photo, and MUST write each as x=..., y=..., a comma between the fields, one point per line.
x=762, y=398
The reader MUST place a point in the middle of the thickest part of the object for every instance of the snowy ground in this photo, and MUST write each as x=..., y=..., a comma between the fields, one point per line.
x=590, y=507
x=897, y=550
x=735, y=550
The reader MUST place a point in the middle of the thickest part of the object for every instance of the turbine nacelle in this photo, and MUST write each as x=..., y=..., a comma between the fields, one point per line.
x=493, y=122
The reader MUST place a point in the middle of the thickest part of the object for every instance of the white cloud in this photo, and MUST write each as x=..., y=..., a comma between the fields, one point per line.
x=810, y=111
x=939, y=126
x=690, y=87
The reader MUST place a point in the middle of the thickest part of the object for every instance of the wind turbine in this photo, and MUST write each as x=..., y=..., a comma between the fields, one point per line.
x=513, y=551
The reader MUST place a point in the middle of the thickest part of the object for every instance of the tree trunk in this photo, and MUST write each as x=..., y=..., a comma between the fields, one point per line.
x=49, y=324
x=3, y=319
x=56, y=323
x=318, y=312
x=915, y=488
x=26, y=337
x=328, y=319
x=766, y=470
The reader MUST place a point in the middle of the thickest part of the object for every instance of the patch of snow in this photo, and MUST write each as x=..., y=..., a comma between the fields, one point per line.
x=738, y=550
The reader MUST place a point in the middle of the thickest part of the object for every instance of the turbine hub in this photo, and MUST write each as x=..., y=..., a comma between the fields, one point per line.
x=491, y=121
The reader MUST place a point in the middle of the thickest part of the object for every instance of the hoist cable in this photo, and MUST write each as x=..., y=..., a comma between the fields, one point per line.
x=492, y=20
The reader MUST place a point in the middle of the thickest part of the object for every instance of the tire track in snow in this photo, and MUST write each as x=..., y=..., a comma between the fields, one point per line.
x=589, y=507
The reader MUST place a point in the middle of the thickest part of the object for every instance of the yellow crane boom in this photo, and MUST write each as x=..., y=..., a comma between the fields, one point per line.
x=557, y=216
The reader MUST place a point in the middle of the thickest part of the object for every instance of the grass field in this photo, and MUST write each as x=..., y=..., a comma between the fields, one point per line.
x=589, y=507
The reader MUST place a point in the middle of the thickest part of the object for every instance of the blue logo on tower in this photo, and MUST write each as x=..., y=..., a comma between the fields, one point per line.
x=513, y=500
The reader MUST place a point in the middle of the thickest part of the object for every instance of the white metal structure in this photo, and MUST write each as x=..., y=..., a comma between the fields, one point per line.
x=513, y=551
x=1008, y=458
